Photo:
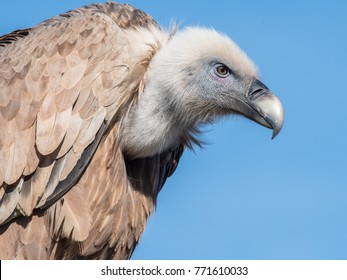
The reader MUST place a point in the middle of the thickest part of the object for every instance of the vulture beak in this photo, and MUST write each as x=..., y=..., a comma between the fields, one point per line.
x=263, y=107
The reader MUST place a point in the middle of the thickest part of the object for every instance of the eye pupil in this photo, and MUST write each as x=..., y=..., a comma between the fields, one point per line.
x=222, y=71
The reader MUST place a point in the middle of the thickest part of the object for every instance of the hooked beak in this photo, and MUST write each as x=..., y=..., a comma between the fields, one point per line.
x=263, y=107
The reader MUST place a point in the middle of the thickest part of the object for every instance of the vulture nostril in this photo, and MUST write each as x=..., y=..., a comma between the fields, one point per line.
x=256, y=89
x=256, y=93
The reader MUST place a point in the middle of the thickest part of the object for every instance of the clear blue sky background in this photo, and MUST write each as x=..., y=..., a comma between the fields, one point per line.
x=244, y=196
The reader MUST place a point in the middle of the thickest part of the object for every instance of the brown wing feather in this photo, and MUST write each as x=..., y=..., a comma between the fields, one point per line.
x=13, y=36
x=49, y=88
x=61, y=82
x=102, y=217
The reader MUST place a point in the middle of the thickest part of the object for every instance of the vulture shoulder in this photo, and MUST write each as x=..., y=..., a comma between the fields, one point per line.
x=66, y=189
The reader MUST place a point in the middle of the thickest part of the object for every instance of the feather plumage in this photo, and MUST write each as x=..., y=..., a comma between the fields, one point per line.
x=72, y=76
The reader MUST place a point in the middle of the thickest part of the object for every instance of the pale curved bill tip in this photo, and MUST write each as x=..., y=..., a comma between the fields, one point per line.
x=275, y=132
x=273, y=113
x=269, y=112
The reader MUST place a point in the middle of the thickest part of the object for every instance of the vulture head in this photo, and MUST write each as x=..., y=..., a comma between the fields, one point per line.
x=195, y=77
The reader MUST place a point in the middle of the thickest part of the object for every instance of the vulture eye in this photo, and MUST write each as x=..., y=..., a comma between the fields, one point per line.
x=221, y=70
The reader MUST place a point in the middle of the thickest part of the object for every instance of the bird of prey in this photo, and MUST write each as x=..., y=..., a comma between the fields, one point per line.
x=96, y=108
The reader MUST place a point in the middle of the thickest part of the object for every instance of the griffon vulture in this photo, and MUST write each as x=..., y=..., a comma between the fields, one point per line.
x=96, y=107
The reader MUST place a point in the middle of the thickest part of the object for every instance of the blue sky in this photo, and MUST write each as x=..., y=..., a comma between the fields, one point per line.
x=245, y=196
